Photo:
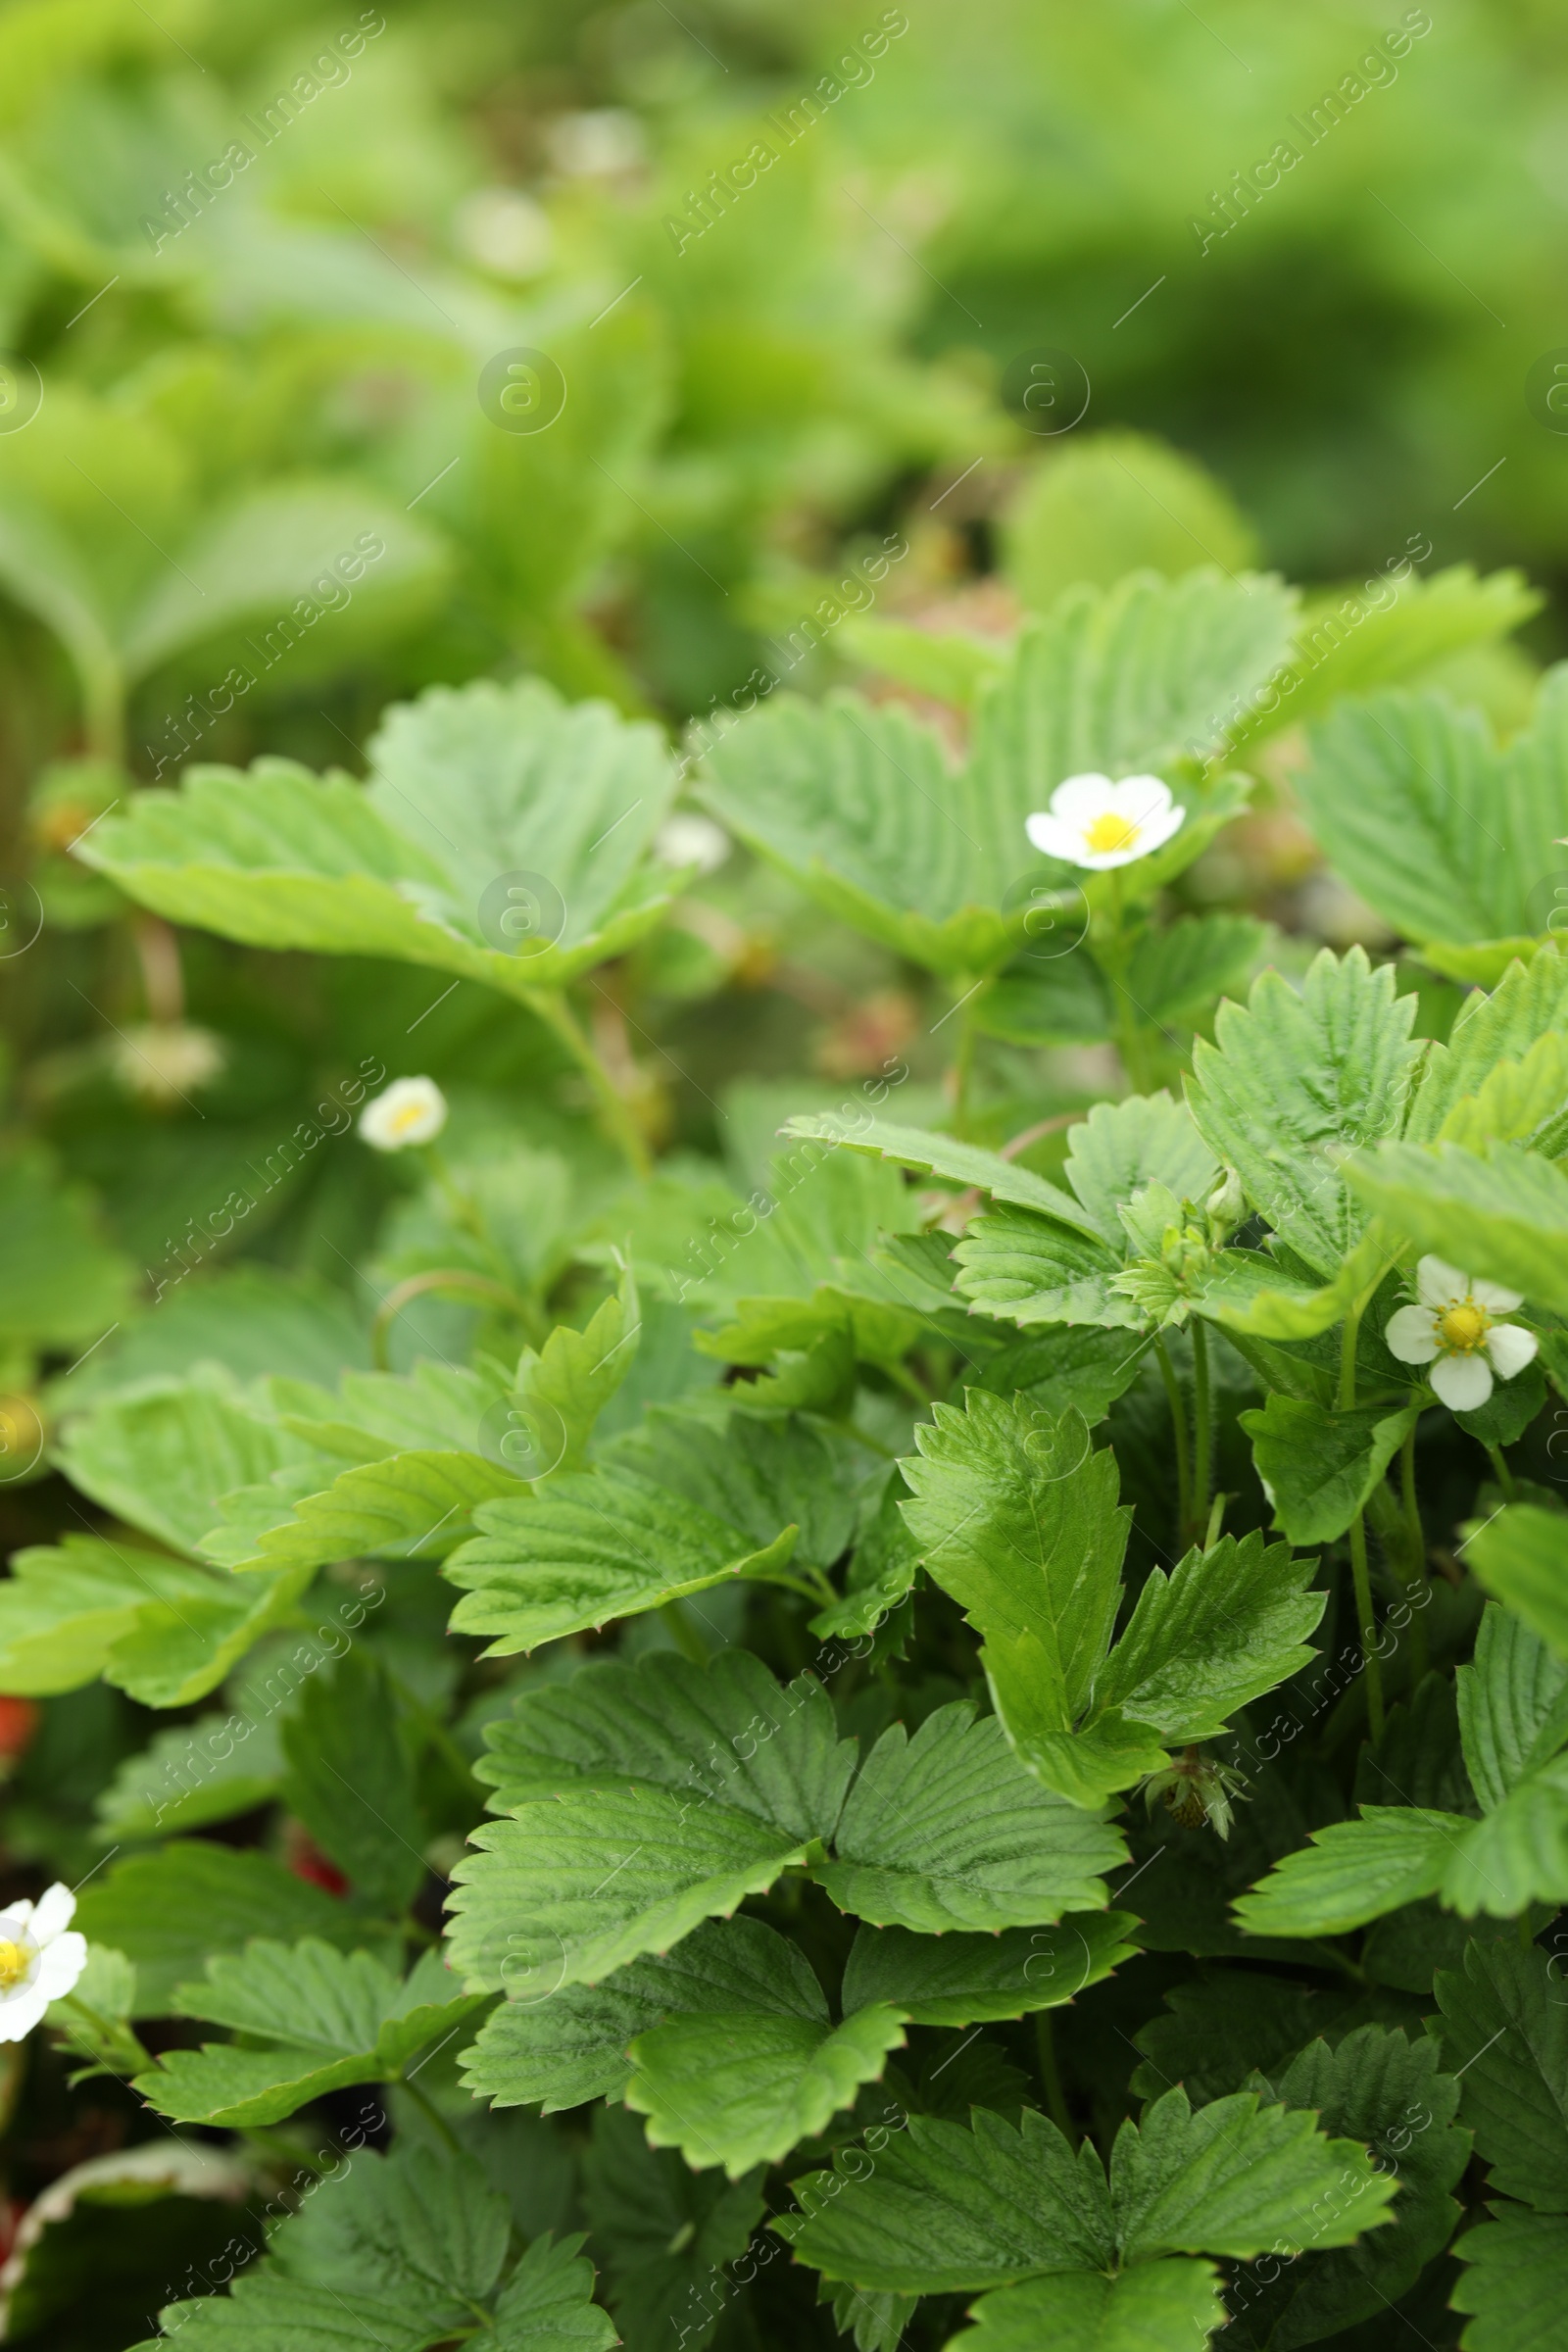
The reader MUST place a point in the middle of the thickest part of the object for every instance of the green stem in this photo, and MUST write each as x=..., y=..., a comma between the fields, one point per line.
x=550, y=1007
x=1216, y=1520
x=1178, y=1422
x=1367, y=1623
x=1360, y=1572
x=1501, y=1472
x=1056, y=2106
x=962, y=1073
x=1415, y=1561
x=1203, y=1416
x=423, y=2100
x=1114, y=959
x=687, y=1640
x=441, y=1277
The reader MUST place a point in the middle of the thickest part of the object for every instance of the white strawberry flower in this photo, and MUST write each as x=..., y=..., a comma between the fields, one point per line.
x=42, y=1956
x=1457, y=1331
x=1094, y=824
x=412, y=1110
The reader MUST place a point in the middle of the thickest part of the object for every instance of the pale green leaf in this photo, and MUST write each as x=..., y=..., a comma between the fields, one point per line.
x=1501, y=1213
x=1522, y=1556
x=1174, y=975
x=1250, y=1290
x=1122, y=1146
x=1513, y=1705
x=948, y=664
x=1530, y=1002
x=61, y=1285
x=468, y=787
x=1319, y=1466
x=946, y=1156
x=408, y=1506
x=191, y=1774
x=1025, y=1269
x=1015, y=1515
x=1291, y=1079
x=1443, y=833
x=1222, y=1628
x=1114, y=503
x=1520, y=1102
x=159, y=1459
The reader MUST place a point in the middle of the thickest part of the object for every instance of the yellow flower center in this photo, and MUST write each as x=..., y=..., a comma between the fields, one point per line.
x=408, y=1116
x=1110, y=832
x=1463, y=1328
x=15, y=1961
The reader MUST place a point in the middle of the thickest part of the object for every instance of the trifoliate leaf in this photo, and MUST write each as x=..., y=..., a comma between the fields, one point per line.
x=1318, y=1466
x=1294, y=1077
x=401, y=2258
x=500, y=838
x=642, y=1800
x=947, y=1830
x=331, y=2018
x=1522, y=1556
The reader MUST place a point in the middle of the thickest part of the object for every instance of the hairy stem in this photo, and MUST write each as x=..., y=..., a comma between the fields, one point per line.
x=1178, y=1422
x=1501, y=1472
x=551, y=1006
x=1415, y=1560
x=1056, y=2106
x=1203, y=1417
x=1360, y=1573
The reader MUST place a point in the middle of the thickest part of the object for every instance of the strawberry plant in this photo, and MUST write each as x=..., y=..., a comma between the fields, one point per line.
x=783, y=1318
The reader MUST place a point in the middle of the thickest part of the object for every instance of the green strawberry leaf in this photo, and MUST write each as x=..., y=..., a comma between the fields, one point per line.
x=1319, y=1467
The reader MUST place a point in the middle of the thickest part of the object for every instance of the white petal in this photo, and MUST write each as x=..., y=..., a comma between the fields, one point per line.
x=1081, y=799
x=1053, y=838
x=1463, y=1382
x=1412, y=1335
x=1159, y=827
x=59, y=1964
x=20, y=2014
x=1142, y=800
x=1438, y=1284
x=56, y=1908
x=1510, y=1349
x=1493, y=1294
x=1101, y=861
x=16, y=1921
